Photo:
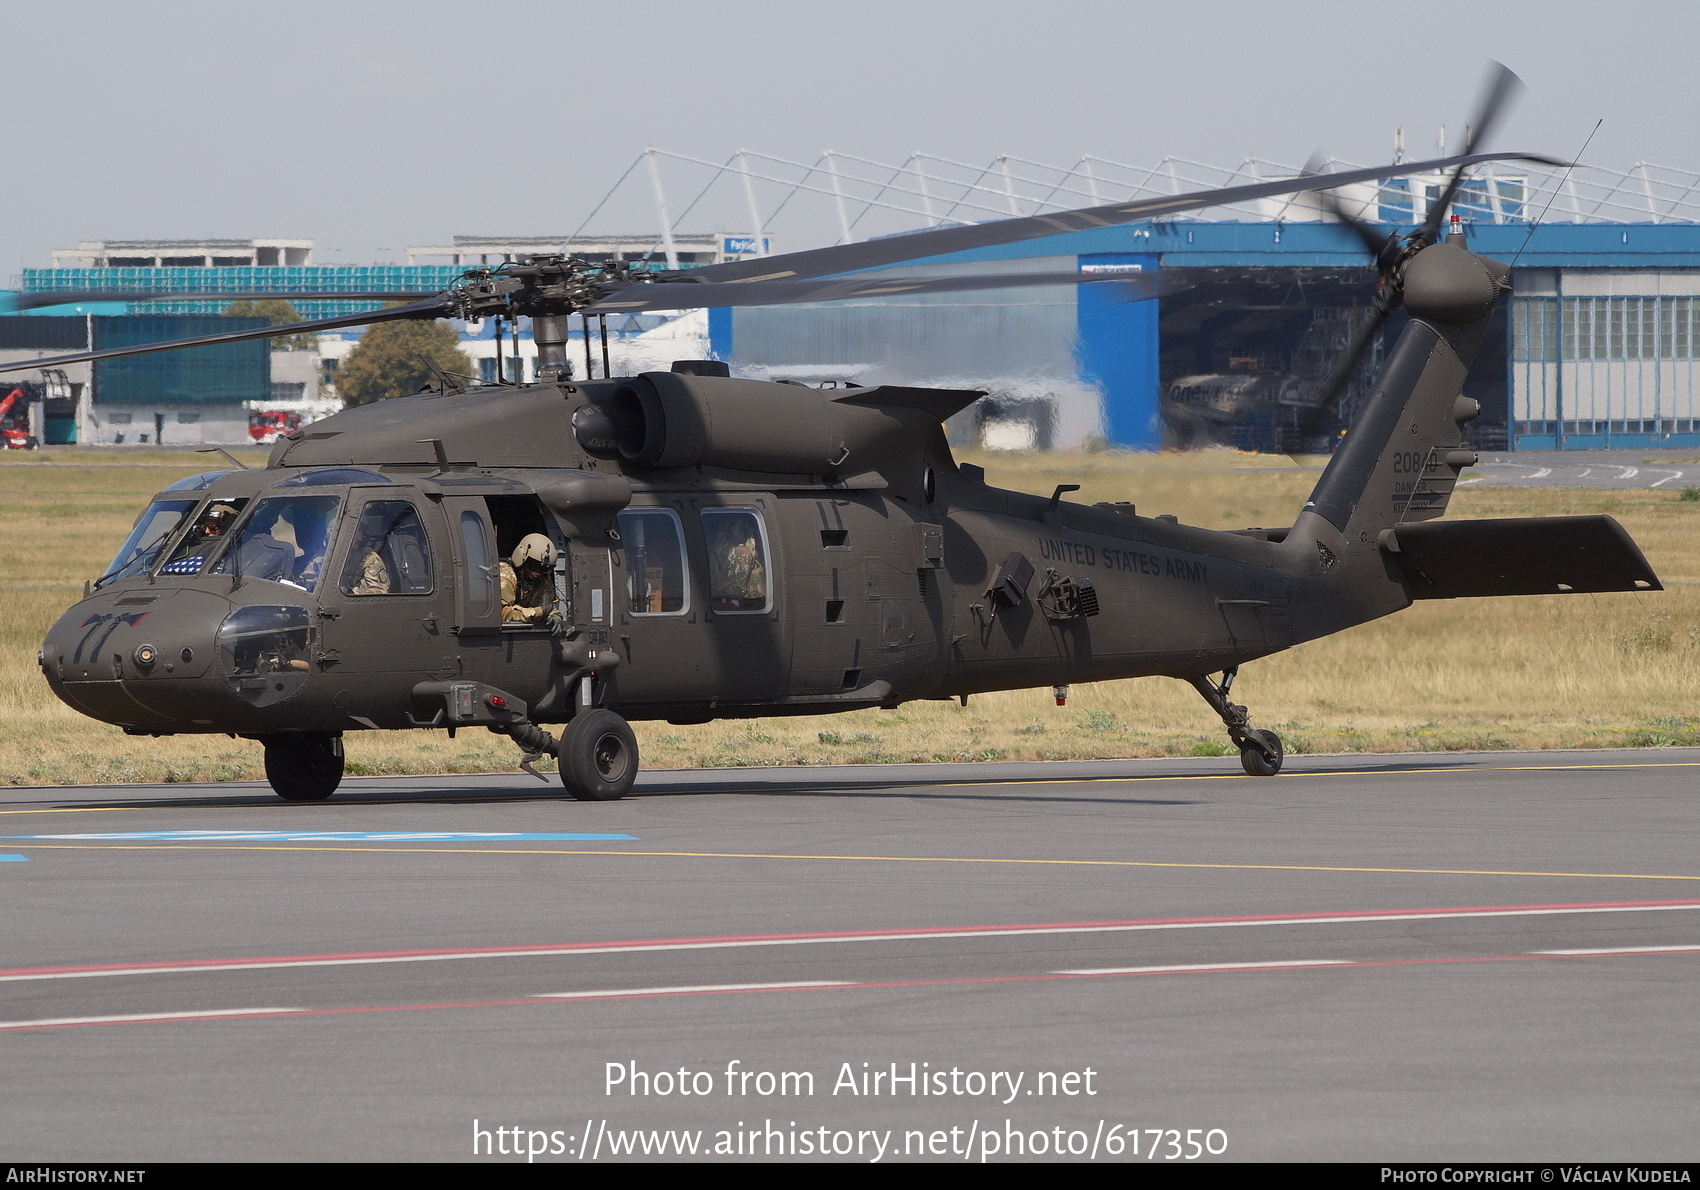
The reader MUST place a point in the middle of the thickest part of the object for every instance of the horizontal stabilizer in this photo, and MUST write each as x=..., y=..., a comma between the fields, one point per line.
x=1518, y=556
x=941, y=403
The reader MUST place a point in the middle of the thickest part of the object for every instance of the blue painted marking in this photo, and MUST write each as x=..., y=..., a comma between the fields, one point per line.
x=334, y=837
x=14, y=859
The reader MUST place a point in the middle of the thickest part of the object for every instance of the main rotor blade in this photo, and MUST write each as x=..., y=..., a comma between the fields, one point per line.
x=681, y=296
x=844, y=258
x=76, y=297
x=433, y=308
x=1501, y=86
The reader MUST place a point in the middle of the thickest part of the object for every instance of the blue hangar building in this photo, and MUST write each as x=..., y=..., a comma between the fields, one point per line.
x=1596, y=347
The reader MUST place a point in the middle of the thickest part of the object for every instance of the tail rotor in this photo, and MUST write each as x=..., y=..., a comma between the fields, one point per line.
x=1392, y=252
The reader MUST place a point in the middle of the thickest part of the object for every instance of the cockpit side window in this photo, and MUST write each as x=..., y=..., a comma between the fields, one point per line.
x=390, y=554
x=283, y=541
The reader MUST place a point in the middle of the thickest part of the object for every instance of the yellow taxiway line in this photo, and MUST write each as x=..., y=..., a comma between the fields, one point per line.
x=26, y=845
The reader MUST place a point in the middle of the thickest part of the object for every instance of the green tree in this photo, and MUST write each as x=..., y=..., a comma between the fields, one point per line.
x=279, y=313
x=391, y=360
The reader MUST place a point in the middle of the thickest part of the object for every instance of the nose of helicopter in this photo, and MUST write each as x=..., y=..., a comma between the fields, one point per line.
x=142, y=658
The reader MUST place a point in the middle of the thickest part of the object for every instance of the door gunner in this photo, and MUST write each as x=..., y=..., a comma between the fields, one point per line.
x=527, y=592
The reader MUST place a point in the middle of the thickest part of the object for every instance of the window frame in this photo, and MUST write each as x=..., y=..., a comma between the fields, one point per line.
x=678, y=522
x=228, y=560
x=703, y=515
x=489, y=609
x=345, y=548
x=161, y=545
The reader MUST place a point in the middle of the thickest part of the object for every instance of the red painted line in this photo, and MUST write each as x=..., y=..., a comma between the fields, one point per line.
x=841, y=935
x=732, y=940
x=1051, y=976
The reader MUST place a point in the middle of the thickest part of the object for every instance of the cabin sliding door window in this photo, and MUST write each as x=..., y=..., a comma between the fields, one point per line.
x=654, y=541
x=480, y=572
x=737, y=560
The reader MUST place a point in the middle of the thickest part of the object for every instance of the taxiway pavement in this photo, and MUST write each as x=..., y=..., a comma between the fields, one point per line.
x=1672, y=470
x=1434, y=957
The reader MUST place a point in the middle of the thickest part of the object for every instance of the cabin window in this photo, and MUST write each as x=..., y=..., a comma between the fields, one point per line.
x=480, y=566
x=654, y=542
x=390, y=554
x=283, y=541
x=737, y=560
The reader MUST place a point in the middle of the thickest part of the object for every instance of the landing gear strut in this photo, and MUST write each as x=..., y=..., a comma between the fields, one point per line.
x=1260, y=751
x=305, y=767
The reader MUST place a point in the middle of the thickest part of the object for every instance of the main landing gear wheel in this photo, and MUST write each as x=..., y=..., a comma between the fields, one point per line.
x=598, y=757
x=304, y=768
x=1264, y=761
x=1260, y=751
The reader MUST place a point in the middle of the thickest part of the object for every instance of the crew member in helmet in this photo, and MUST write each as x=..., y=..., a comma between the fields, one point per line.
x=528, y=593
x=199, y=543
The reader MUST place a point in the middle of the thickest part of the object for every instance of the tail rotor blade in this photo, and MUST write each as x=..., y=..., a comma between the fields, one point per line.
x=1329, y=395
x=1501, y=86
x=1373, y=238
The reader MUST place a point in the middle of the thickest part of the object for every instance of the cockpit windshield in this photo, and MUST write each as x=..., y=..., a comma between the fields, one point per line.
x=284, y=541
x=210, y=528
x=153, y=529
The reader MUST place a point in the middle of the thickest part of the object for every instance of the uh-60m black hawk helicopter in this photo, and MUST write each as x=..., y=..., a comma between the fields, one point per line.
x=721, y=548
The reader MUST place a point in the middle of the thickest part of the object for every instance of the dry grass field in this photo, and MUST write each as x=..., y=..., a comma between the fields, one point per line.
x=1547, y=672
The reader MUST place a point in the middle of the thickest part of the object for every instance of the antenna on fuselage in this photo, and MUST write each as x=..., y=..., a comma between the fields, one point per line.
x=207, y=450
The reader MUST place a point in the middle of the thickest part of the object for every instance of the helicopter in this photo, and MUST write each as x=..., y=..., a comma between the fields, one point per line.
x=715, y=547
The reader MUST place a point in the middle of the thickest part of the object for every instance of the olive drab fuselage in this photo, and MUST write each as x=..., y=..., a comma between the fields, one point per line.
x=686, y=593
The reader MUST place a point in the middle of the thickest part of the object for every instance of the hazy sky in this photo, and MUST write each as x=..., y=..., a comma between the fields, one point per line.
x=371, y=126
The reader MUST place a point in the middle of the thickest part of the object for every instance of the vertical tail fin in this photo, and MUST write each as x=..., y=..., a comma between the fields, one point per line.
x=1403, y=453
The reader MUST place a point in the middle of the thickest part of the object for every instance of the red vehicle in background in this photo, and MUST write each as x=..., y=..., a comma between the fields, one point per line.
x=14, y=409
x=266, y=426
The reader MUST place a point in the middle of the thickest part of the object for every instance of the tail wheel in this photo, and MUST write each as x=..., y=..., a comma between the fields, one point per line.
x=304, y=768
x=598, y=757
x=1261, y=755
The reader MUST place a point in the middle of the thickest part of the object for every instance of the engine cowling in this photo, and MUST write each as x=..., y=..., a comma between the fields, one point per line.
x=666, y=420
